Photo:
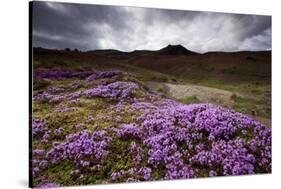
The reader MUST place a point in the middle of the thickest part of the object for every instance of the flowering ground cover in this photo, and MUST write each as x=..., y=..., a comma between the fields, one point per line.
x=107, y=127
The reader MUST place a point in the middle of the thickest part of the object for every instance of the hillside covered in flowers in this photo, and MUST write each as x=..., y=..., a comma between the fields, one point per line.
x=92, y=127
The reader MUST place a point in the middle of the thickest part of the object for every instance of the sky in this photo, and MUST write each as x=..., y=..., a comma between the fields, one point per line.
x=90, y=27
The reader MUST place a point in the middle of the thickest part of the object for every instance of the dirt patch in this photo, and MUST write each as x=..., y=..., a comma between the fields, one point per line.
x=204, y=94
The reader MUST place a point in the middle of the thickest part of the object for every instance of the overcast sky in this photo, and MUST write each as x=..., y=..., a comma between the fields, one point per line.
x=87, y=27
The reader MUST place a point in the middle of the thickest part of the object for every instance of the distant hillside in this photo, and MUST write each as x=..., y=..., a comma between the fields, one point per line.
x=175, y=50
x=178, y=61
x=107, y=52
x=168, y=50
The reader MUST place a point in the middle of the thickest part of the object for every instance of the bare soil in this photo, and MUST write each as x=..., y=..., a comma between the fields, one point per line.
x=203, y=93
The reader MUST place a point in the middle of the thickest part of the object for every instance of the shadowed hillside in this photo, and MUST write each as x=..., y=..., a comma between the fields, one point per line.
x=175, y=50
x=177, y=60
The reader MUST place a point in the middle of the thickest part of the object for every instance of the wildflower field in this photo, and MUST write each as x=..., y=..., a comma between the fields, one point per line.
x=96, y=127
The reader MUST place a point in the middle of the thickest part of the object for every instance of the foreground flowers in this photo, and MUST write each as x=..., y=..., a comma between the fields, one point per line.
x=138, y=136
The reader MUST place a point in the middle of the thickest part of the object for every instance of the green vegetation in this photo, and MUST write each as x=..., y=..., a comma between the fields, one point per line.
x=255, y=106
x=189, y=99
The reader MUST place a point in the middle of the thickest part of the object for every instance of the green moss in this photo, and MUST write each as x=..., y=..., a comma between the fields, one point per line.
x=120, y=158
x=60, y=173
x=159, y=173
x=41, y=108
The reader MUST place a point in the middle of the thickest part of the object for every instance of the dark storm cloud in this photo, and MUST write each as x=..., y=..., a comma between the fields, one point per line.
x=58, y=25
x=65, y=25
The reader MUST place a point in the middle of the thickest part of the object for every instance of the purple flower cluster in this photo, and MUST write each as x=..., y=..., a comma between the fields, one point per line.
x=188, y=139
x=210, y=137
x=232, y=158
x=116, y=90
x=40, y=130
x=90, y=118
x=101, y=75
x=58, y=131
x=132, y=175
x=38, y=161
x=39, y=152
x=55, y=90
x=74, y=95
x=83, y=148
x=48, y=97
x=61, y=109
x=75, y=85
x=128, y=130
x=48, y=185
x=137, y=151
x=145, y=172
x=59, y=74
x=55, y=99
x=80, y=126
x=39, y=127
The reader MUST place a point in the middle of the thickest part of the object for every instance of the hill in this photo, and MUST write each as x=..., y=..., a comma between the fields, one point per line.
x=175, y=50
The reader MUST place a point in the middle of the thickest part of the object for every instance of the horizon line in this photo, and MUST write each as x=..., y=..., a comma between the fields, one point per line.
x=90, y=50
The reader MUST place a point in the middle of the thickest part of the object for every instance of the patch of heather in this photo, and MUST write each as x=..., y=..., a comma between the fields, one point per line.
x=74, y=95
x=61, y=109
x=55, y=90
x=117, y=90
x=60, y=75
x=75, y=85
x=107, y=74
x=48, y=98
x=83, y=148
x=39, y=127
x=47, y=185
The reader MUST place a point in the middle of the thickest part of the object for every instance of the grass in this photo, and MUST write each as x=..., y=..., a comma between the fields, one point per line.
x=189, y=99
x=240, y=72
x=41, y=84
x=255, y=106
x=161, y=88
